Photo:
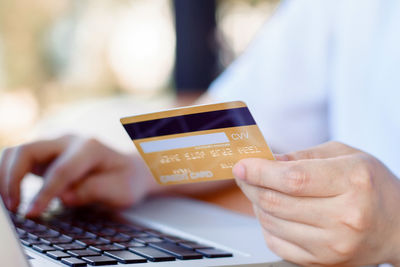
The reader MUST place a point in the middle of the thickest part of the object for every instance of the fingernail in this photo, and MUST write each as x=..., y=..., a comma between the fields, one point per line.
x=239, y=171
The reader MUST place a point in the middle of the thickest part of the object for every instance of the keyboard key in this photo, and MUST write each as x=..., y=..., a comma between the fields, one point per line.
x=60, y=225
x=74, y=230
x=83, y=252
x=84, y=235
x=111, y=224
x=106, y=232
x=27, y=223
x=23, y=235
x=100, y=260
x=56, y=240
x=20, y=231
x=214, y=253
x=49, y=233
x=152, y=254
x=108, y=247
x=57, y=255
x=93, y=242
x=174, y=239
x=43, y=248
x=129, y=244
x=193, y=245
x=33, y=236
x=71, y=246
x=148, y=240
x=129, y=228
x=136, y=234
x=40, y=228
x=125, y=257
x=73, y=262
x=123, y=228
x=178, y=251
x=154, y=233
x=94, y=227
x=29, y=241
x=119, y=238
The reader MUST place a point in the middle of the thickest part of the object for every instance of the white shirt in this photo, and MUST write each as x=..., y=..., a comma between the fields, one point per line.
x=324, y=70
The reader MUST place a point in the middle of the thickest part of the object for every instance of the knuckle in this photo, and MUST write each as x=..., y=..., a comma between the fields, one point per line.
x=305, y=154
x=358, y=220
x=276, y=245
x=257, y=172
x=21, y=149
x=337, y=144
x=361, y=174
x=91, y=143
x=92, y=191
x=296, y=180
x=67, y=137
x=271, y=242
x=289, y=156
x=270, y=201
x=265, y=220
x=344, y=249
x=60, y=171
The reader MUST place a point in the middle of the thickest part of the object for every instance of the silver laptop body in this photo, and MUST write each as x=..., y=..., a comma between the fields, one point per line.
x=190, y=219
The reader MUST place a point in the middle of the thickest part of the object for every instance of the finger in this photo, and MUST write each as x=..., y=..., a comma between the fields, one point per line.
x=287, y=250
x=326, y=150
x=4, y=161
x=313, y=178
x=310, y=239
x=305, y=210
x=22, y=161
x=74, y=164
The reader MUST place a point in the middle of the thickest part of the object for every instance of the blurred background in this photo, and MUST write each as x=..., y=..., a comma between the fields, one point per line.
x=67, y=56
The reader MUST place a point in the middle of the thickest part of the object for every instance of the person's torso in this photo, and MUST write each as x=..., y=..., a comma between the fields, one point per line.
x=364, y=93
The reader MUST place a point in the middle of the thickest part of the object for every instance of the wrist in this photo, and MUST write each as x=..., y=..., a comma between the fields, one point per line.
x=394, y=257
x=394, y=253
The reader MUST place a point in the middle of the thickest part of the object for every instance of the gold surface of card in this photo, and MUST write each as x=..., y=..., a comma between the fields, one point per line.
x=198, y=143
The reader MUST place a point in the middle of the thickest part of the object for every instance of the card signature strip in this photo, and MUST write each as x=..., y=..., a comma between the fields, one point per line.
x=190, y=123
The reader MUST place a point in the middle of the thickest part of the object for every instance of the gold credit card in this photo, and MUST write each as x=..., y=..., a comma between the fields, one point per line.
x=197, y=143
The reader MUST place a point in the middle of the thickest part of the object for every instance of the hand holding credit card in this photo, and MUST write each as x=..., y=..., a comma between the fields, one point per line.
x=197, y=143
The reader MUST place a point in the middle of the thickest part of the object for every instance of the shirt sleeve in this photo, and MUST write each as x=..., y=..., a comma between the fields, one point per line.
x=283, y=76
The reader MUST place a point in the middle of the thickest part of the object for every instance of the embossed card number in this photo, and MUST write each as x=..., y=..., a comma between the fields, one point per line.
x=198, y=143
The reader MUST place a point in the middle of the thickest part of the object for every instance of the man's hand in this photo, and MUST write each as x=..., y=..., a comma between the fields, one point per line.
x=79, y=171
x=330, y=205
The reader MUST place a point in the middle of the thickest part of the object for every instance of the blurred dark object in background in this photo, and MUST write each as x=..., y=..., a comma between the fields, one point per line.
x=196, y=63
x=75, y=56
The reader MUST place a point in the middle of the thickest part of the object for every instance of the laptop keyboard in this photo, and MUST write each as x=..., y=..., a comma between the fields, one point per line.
x=81, y=242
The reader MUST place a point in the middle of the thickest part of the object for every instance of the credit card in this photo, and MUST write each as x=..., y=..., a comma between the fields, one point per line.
x=196, y=143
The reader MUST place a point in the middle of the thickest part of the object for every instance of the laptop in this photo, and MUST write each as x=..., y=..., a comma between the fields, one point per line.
x=162, y=231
